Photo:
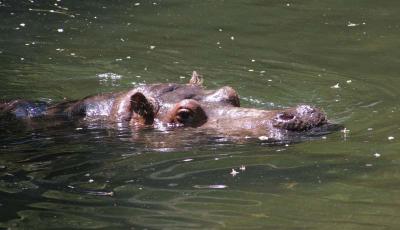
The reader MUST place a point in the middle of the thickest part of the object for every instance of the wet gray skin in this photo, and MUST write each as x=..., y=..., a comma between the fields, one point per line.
x=177, y=105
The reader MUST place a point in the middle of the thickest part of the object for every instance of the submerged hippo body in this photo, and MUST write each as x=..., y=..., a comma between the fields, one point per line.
x=176, y=105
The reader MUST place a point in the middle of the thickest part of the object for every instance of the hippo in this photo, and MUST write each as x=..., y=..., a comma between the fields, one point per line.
x=173, y=106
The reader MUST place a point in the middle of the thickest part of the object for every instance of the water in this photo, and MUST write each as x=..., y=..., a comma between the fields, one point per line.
x=275, y=53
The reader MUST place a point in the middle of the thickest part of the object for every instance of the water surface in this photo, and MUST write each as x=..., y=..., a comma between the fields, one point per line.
x=342, y=56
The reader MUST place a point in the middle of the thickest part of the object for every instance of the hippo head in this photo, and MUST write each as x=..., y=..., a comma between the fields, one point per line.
x=190, y=105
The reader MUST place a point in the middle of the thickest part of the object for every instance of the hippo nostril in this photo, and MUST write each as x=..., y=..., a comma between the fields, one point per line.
x=285, y=116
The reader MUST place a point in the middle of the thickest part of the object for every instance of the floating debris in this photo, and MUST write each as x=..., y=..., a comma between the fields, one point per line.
x=22, y=24
x=137, y=4
x=335, y=86
x=348, y=81
x=390, y=138
x=234, y=172
x=60, y=30
x=377, y=155
x=350, y=24
x=232, y=38
x=242, y=168
x=187, y=160
x=345, y=130
x=263, y=138
x=152, y=47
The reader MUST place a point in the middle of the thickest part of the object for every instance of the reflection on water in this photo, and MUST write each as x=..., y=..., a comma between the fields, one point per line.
x=338, y=55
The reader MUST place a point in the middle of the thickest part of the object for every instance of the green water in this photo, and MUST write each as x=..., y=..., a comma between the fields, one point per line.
x=275, y=53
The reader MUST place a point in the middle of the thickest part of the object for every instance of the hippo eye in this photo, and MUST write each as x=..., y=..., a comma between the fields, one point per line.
x=184, y=115
x=187, y=112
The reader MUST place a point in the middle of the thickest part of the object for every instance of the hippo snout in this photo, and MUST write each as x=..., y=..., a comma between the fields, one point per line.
x=300, y=118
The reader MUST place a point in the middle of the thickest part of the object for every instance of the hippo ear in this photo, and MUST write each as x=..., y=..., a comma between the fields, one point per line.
x=196, y=79
x=143, y=109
